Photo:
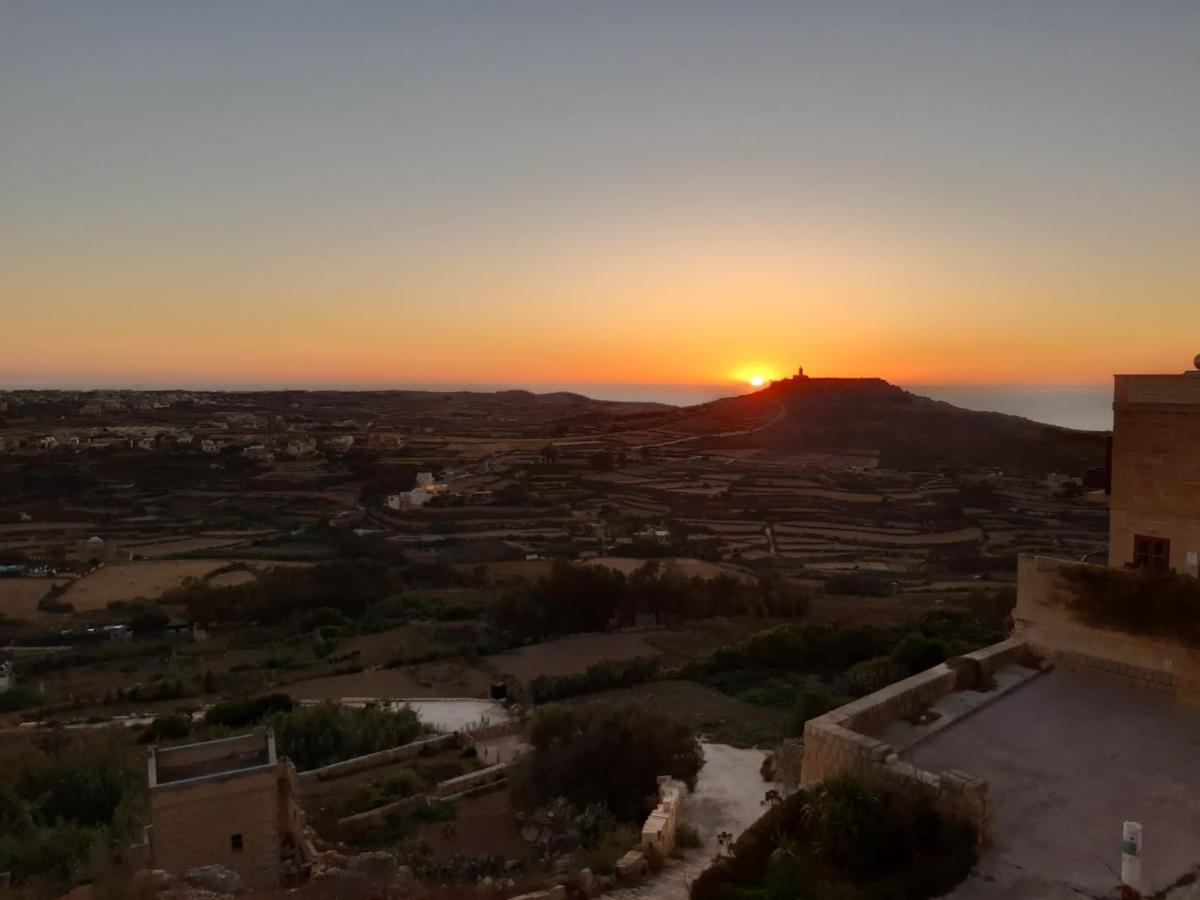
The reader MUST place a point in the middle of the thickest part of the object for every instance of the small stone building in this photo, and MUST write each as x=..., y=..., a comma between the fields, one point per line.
x=1154, y=517
x=230, y=802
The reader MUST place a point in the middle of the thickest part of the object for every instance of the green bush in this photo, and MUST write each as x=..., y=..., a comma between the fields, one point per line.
x=815, y=699
x=18, y=698
x=604, y=753
x=243, y=713
x=610, y=847
x=848, y=840
x=600, y=676
x=62, y=798
x=395, y=787
x=315, y=736
x=1142, y=601
x=172, y=727
x=870, y=675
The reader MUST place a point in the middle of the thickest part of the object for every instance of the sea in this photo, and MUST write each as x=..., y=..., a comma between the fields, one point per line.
x=1087, y=407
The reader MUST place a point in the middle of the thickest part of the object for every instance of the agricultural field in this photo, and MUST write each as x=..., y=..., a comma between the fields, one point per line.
x=19, y=596
x=569, y=655
x=130, y=581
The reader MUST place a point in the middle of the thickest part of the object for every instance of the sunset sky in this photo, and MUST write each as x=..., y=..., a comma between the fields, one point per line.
x=606, y=191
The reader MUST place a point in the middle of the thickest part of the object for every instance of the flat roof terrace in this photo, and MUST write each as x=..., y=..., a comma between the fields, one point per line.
x=1069, y=756
x=209, y=759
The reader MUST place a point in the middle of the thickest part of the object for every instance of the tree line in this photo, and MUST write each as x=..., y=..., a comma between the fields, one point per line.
x=574, y=598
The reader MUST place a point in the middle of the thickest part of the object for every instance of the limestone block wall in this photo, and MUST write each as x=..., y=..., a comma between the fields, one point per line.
x=658, y=832
x=1045, y=621
x=350, y=826
x=1155, y=466
x=470, y=781
x=788, y=763
x=495, y=730
x=840, y=741
x=195, y=824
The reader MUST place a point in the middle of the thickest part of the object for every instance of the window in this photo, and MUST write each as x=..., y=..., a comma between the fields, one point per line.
x=1151, y=552
x=235, y=843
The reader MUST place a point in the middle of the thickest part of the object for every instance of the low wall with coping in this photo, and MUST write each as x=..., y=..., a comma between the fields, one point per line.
x=451, y=787
x=350, y=826
x=381, y=758
x=499, y=729
x=840, y=741
x=1044, y=619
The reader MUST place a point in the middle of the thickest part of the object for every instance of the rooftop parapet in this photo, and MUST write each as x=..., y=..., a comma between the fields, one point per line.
x=211, y=759
x=1157, y=390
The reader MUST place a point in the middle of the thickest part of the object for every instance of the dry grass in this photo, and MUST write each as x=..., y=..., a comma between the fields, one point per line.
x=569, y=655
x=127, y=581
x=19, y=596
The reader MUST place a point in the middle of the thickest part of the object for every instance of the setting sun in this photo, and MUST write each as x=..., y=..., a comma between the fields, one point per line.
x=757, y=381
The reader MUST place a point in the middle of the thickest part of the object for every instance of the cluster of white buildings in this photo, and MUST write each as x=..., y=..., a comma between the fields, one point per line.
x=426, y=489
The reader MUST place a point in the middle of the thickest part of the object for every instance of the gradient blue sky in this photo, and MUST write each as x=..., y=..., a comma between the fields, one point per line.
x=591, y=192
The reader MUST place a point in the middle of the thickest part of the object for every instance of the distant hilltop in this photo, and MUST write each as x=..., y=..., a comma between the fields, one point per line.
x=909, y=431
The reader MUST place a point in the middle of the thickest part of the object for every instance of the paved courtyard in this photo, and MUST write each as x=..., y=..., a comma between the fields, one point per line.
x=1069, y=757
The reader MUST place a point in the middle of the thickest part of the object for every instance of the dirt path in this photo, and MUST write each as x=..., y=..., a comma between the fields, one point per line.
x=728, y=798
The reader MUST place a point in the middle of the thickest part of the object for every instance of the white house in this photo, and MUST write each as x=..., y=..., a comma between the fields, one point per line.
x=425, y=491
x=208, y=446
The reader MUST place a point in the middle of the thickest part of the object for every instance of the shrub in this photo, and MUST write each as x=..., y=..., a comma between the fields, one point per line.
x=612, y=845
x=171, y=727
x=62, y=799
x=316, y=736
x=604, y=754
x=848, y=840
x=436, y=811
x=600, y=676
x=594, y=823
x=242, y=713
x=18, y=698
x=815, y=699
x=870, y=675
x=395, y=787
x=1142, y=601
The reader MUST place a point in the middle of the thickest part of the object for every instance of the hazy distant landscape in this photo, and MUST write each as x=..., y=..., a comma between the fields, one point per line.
x=1087, y=407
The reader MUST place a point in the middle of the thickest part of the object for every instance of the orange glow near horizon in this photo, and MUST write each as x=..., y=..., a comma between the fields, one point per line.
x=442, y=194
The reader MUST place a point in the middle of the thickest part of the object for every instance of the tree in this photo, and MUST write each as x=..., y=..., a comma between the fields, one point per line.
x=610, y=754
